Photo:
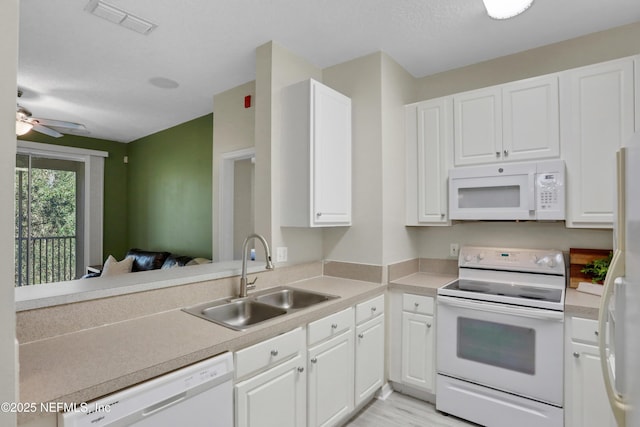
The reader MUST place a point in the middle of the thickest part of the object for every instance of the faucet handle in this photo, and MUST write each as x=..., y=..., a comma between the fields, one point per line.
x=252, y=284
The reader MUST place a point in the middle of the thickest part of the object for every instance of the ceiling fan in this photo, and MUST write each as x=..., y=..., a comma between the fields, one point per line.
x=55, y=128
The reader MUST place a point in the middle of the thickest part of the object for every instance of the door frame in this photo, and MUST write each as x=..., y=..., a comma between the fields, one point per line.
x=226, y=191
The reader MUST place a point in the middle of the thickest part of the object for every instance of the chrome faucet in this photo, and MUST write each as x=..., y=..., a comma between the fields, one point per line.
x=244, y=284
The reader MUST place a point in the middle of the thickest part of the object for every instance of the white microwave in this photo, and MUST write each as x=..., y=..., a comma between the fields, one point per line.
x=512, y=191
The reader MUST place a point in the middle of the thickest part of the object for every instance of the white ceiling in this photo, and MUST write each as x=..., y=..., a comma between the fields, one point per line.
x=77, y=67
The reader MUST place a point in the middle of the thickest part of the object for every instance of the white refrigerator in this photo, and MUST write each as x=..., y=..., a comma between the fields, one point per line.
x=619, y=322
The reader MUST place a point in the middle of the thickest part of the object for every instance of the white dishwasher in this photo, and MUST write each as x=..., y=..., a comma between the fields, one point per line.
x=200, y=395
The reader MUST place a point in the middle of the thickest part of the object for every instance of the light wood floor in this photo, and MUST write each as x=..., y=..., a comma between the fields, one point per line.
x=403, y=411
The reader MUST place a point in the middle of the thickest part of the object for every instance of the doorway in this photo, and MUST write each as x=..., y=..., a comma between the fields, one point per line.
x=236, y=219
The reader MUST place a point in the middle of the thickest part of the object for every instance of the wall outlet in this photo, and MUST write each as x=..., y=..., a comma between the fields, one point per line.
x=281, y=254
x=454, y=249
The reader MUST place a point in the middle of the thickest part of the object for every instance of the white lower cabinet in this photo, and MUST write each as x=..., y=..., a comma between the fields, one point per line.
x=275, y=398
x=272, y=382
x=418, y=332
x=369, y=358
x=586, y=403
x=412, y=333
x=418, y=342
x=314, y=376
x=331, y=379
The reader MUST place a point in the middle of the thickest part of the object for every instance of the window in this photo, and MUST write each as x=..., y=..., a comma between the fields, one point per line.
x=58, y=212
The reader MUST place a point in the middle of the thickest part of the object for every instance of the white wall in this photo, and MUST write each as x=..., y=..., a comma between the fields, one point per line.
x=233, y=129
x=435, y=241
x=360, y=79
x=8, y=73
x=277, y=68
x=399, y=243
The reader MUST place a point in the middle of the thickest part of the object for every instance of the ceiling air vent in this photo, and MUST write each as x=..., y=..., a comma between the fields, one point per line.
x=118, y=16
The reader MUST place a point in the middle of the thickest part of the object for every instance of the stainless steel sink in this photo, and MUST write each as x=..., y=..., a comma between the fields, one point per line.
x=292, y=299
x=238, y=314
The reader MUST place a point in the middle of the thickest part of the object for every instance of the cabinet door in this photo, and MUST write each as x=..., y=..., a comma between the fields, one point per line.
x=275, y=398
x=598, y=116
x=478, y=126
x=589, y=405
x=433, y=141
x=418, y=333
x=331, y=162
x=369, y=358
x=331, y=380
x=531, y=119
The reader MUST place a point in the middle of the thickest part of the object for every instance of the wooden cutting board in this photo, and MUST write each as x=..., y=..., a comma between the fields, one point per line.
x=578, y=258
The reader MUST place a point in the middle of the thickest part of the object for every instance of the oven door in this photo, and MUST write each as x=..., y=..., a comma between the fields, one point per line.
x=511, y=348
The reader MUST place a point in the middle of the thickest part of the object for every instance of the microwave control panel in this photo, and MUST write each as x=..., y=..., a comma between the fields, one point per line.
x=550, y=199
x=547, y=187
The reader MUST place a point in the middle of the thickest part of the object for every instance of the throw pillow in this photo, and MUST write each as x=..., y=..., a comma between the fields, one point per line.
x=113, y=267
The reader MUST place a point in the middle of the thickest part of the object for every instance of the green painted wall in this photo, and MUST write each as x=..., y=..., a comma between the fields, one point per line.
x=169, y=189
x=115, y=239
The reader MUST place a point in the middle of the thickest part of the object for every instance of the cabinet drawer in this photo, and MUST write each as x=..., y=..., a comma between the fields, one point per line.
x=269, y=352
x=417, y=303
x=369, y=309
x=585, y=330
x=330, y=326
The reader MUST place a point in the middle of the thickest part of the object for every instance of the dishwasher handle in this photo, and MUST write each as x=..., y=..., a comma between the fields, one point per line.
x=157, y=407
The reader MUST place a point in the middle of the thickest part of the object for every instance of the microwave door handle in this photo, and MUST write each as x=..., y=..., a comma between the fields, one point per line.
x=532, y=191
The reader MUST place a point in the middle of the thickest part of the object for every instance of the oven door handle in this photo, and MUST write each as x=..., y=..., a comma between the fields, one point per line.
x=534, y=313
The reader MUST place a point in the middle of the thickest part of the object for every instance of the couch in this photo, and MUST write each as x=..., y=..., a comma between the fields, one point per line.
x=154, y=260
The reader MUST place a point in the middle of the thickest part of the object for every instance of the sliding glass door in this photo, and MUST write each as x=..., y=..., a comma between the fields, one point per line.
x=48, y=219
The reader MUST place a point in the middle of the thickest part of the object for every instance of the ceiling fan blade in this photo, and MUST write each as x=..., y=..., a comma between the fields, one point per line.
x=59, y=123
x=45, y=130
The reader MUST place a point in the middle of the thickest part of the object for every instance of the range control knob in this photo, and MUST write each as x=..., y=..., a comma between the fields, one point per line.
x=548, y=262
x=480, y=256
x=468, y=258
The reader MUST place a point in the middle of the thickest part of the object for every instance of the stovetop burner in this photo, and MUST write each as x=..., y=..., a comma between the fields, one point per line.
x=525, y=277
x=506, y=290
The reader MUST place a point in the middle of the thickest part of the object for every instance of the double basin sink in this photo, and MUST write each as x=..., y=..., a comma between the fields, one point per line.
x=241, y=313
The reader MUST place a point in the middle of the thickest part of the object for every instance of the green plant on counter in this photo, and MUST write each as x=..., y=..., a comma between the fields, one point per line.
x=597, y=269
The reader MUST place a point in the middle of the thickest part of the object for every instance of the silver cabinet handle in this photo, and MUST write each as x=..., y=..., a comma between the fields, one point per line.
x=442, y=215
x=416, y=304
x=274, y=353
x=314, y=360
x=595, y=332
x=300, y=369
x=428, y=325
x=373, y=309
x=497, y=154
x=506, y=153
x=334, y=326
x=576, y=354
x=360, y=336
x=319, y=214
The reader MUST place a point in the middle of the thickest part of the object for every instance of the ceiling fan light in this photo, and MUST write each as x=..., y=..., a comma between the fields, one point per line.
x=22, y=127
x=505, y=9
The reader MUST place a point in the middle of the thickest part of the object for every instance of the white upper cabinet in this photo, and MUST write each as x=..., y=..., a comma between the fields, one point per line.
x=315, y=156
x=531, y=119
x=598, y=117
x=429, y=134
x=478, y=126
x=511, y=122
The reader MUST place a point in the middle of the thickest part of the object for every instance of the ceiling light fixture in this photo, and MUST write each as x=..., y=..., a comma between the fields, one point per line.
x=22, y=125
x=505, y=9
